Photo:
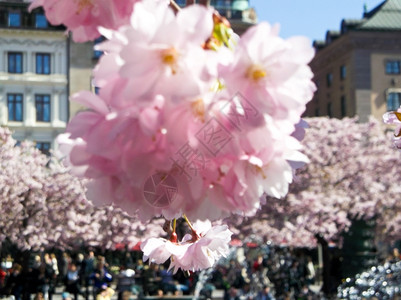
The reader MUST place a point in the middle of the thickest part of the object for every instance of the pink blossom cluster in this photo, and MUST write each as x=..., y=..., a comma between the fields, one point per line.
x=394, y=118
x=218, y=121
x=186, y=121
x=350, y=176
x=43, y=206
x=197, y=251
x=83, y=17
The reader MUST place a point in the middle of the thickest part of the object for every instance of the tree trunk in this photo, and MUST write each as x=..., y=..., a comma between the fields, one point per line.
x=326, y=288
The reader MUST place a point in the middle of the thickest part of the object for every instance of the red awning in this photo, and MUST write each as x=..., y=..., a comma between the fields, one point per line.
x=137, y=247
x=236, y=243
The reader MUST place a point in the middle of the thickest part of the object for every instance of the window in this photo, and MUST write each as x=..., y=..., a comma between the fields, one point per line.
x=14, y=103
x=393, y=67
x=222, y=4
x=343, y=106
x=393, y=101
x=181, y=2
x=14, y=19
x=40, y=21
x=330, y=109
x=343, y=72
x=42, y=105
x=44, y=147
x=14, y=62
x=42, y=63
x=329, y=79
x=96, y=53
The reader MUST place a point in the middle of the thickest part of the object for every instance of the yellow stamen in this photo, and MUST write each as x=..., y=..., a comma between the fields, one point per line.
x=84, y=4
x=198, y=109
x=260, y=170
x=170, y=57
x=256, y=73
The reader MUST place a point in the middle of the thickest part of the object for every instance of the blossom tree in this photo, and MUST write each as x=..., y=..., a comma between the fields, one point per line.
x=191, y=121
x=43, y=205
x=351, y=175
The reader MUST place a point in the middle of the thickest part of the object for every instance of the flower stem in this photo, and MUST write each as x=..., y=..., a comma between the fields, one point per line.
x=188, y=222
x=175, y=6
x=173, y=236
x=174, y=224
x=195, y=235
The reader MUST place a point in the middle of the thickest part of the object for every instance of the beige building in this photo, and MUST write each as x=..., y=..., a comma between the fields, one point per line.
x=33, y=75
x=82, y=60
x=358, y=69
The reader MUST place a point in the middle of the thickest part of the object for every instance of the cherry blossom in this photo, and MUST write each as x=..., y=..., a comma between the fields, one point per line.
x=159, y=108
x=198, y=250
x=83, y=17
x=350, y=175
x=168, y=79
x=272, y=73
x=148, y=58
x=205, y=246
x=190, y=120
x=394, y=117
x=43, y=205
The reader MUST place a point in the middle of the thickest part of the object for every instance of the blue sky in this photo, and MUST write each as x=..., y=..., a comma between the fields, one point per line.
x=311, y=18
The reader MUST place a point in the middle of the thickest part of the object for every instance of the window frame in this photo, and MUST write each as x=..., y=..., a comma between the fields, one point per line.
x=10, y=21
x=343, y=72
x=329, y=79
x=39, y=18
x=393, y=106
x=98, y=53
x=393, y=67
x=181, y=3
x=42, y=70
x=42, y=104
x=13, y=115
x=43, y=147
x=343, y=106
x=12, y=56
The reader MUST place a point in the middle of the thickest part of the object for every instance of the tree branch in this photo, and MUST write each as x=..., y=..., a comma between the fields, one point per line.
x=175, y=6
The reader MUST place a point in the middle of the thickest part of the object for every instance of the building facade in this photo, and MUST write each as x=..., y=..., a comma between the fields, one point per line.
x=82, y=60
x=33, y=75
x=357, y=69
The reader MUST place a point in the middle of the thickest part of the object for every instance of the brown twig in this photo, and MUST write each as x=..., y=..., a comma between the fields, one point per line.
x=175, y=6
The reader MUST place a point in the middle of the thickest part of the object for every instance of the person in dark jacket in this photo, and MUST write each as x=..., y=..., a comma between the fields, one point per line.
x=14, y=285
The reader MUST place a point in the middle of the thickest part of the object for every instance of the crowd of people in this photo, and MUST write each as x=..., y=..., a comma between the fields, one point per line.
x=39, y=278
x=271, y=273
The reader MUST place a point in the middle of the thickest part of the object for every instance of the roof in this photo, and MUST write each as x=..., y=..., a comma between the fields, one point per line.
x=386, y=16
